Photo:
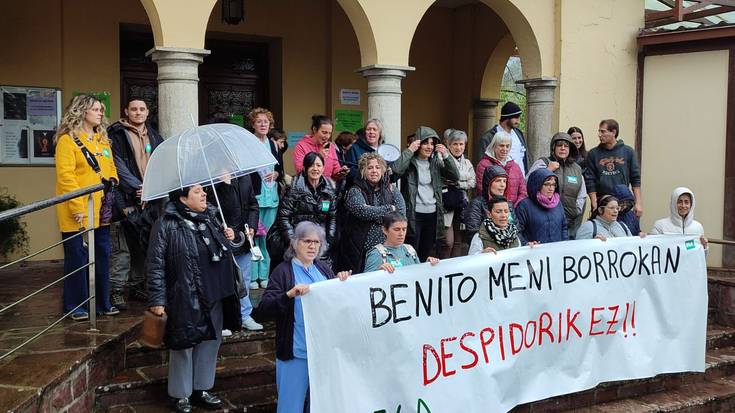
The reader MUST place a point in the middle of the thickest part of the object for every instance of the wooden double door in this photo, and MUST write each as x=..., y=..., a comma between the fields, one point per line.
x=233, y=79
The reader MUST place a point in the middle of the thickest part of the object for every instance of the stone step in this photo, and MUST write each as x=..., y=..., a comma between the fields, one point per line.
x=239, y=377
x=719, y=364
x=709, y=396
x=241, y=343
x=257, y=399
x=148, y=384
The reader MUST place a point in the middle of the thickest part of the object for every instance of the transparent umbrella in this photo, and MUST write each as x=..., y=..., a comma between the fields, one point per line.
x=203, y=155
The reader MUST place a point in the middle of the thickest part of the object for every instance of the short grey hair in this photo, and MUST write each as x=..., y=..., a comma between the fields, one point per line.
x=452, y=135
x=500, y=137
x=304, y=229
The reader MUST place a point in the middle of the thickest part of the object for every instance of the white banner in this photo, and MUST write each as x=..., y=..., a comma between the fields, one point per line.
x=488, y=332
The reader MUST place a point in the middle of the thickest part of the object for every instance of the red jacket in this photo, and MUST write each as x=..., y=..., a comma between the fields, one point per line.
x=515, y=190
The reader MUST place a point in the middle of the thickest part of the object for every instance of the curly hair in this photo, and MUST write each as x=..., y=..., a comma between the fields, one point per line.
x=260, y=111
x=365, y=159
x=73, y=118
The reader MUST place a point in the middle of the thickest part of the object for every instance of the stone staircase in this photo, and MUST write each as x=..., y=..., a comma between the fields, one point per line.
x=246, y=375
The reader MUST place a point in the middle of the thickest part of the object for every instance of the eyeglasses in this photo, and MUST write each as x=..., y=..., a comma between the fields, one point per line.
x=550, y=184
x=310, y=242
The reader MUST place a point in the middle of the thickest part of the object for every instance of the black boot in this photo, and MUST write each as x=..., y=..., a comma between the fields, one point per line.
x=203, y=399
x=182, y=405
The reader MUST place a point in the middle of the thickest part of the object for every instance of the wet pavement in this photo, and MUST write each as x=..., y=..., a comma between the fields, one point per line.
x=51, y=356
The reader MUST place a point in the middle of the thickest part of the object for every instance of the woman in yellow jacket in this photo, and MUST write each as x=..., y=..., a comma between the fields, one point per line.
x=84, y=124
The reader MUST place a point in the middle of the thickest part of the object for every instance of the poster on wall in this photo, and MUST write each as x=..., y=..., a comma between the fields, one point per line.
x=29, y=117
x=347, y=120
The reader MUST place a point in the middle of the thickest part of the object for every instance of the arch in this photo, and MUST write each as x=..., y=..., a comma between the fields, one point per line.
x=528, y=35
x=363, y=30
x=179, y=23
x=530, y=22
x=492, y=78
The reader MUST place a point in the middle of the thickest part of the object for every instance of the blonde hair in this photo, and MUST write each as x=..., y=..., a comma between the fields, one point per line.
x=365, y=159
x=74, y=114
x=260, y=111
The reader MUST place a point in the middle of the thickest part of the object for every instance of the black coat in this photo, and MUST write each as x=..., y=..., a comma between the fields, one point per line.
x=275, y=305
x=302, y=203
x=239, y=206
x=127, y=167
x=175, y=282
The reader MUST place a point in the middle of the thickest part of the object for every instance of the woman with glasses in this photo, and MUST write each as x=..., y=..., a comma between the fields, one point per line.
x=562, y=162
x=604, y=223
x=540, y=217
x=281, y=302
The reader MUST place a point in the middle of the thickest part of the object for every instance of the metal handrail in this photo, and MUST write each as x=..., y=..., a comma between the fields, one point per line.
x=33, y=294
x=33, y=254
x=720, y=241
x=54, y=324
x=90, y=266
x=39, y=205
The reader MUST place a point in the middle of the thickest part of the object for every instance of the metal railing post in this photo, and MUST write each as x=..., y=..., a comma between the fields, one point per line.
x=91, y=269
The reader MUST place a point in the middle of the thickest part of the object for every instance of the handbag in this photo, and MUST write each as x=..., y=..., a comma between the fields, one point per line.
x=240, y=289
x=108, y=199
x=454, y=199
x=153, y=330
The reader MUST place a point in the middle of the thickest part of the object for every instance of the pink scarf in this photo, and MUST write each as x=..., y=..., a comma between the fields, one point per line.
x=548, y=203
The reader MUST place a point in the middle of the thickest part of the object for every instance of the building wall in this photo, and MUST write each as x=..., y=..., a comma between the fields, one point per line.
x=675, y=89
x=73, y=44
x=597, y=65
x=450, y=50
x=68, y=44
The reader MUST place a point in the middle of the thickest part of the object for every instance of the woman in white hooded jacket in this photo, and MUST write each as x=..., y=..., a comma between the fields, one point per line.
x=681, y=218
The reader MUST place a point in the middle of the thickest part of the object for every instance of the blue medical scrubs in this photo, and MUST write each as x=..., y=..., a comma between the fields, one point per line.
x=292, y=376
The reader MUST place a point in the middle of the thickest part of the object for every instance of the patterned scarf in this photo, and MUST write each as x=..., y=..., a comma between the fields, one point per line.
x=505, y=237
x=202, y=225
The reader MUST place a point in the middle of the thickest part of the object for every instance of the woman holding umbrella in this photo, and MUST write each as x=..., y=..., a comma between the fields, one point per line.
x=192, y=279
x=311, y=198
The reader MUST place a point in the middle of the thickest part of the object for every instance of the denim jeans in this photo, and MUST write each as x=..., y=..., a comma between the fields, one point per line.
x=76, y=287
x=246, y=306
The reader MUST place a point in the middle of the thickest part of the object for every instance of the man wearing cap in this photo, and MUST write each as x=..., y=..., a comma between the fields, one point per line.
x=510, y=117
x=423, y=167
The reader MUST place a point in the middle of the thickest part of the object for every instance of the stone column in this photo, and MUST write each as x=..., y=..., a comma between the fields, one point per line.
x=484, y=117
x=539, y=114
x=384, y=98
x=178, y=87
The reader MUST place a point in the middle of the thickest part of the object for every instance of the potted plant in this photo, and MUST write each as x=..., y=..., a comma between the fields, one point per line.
x=13, y=234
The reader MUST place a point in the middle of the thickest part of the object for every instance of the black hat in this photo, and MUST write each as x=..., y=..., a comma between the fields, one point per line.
x=509, y=111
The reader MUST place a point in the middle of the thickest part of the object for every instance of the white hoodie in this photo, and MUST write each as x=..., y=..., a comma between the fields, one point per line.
x=674, y=224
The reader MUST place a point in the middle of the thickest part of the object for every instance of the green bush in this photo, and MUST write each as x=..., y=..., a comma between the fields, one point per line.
x=13, y=235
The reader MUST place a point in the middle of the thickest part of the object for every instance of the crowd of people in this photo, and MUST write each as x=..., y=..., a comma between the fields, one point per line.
x=346, y=211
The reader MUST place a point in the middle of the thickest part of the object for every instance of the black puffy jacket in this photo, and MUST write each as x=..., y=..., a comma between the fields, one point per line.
x=476, y=211
x=303, y=203
x=175, y=282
